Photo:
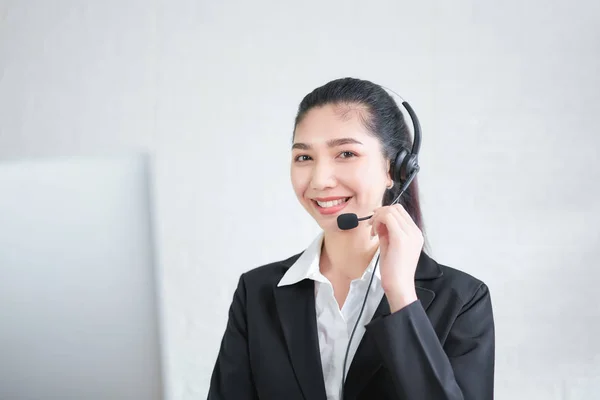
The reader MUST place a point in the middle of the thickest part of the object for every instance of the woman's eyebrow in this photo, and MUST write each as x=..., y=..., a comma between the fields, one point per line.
x=330, y=143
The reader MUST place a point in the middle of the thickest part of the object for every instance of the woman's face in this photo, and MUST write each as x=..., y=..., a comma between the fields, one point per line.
x=337, y=166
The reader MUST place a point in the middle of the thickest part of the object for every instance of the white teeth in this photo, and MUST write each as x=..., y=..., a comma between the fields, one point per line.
x=327, y=204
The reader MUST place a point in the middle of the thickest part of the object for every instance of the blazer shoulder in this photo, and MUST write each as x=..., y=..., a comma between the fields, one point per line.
x=463, y=284
x=270, y=273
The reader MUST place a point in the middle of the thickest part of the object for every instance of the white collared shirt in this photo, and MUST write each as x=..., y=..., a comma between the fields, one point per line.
x=335, y=326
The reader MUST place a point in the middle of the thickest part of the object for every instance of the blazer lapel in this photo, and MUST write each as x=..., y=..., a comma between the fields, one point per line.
x=366, y=361
x=296, y=309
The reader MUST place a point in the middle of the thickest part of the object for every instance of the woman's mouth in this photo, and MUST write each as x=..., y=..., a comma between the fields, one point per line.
x=333, y=206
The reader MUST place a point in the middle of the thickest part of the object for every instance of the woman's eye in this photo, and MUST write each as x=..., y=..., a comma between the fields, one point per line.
x=347, y=154
x=301, y=158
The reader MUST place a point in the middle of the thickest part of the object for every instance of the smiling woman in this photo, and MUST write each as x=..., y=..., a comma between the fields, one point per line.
x=412, y=329
x=337, y=161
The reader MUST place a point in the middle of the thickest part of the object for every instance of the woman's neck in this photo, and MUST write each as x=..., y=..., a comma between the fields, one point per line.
x=347, y=253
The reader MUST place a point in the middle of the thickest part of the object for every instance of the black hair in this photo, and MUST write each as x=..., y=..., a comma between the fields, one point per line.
x=381, y=117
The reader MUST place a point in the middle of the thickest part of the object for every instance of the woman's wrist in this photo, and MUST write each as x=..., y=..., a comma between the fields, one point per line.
x=398, y=299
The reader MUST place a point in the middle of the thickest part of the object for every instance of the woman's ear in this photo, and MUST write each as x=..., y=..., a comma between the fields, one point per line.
x=390, y=180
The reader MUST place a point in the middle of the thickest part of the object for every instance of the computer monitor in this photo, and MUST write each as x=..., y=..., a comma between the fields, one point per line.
x=78, y=309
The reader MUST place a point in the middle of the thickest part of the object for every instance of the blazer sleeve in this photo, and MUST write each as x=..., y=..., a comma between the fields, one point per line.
x=463, y=369
x=232, y=378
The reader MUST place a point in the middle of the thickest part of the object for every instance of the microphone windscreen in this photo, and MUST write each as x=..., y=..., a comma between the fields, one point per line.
x=347, y=221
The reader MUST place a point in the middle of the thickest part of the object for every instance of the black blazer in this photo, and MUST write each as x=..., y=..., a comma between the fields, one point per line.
x=439, y=347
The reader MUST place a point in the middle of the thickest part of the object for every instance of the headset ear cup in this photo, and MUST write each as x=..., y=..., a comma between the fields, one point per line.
x=399, y=166
x=412, y=164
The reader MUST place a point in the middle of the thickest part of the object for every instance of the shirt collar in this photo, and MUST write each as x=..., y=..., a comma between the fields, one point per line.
x=307, y=265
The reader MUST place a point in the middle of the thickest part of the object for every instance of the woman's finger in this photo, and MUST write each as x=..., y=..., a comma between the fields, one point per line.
x=403, y=213
x=410, y=223
x=390, y=221
x=402, y=222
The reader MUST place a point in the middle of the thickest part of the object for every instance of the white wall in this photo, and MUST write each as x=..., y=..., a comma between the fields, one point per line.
x=507, y=93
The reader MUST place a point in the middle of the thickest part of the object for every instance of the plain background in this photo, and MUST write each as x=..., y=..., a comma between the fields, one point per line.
x=508, y=94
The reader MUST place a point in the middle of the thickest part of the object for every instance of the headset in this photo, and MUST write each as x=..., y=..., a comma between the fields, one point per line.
x=403, y=170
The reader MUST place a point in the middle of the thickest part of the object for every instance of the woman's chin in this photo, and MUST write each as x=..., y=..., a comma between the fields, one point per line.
x=331, y=226
x=327, y=224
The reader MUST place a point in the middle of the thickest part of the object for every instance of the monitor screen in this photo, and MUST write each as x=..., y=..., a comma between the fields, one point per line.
x=78, y=312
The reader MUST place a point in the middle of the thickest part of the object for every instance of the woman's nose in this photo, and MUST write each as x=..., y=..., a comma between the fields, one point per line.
x=323, y=176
